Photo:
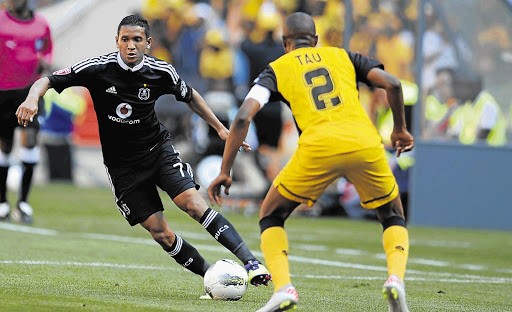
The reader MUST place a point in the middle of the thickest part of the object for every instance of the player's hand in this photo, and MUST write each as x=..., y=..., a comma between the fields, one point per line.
x=26, y=112
x=402, y=141
x=223, y=134
x=215, y=187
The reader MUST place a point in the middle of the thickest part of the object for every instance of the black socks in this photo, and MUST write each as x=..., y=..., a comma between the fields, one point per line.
x=187, y=256
x=225, y=233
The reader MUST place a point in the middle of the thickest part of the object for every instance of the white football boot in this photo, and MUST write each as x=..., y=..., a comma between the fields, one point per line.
x=23, y=213
x=394, y=292
x=285, y=299
x=5, y=211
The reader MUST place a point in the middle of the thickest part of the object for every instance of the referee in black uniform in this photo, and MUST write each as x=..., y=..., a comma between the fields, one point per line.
x=137, y=151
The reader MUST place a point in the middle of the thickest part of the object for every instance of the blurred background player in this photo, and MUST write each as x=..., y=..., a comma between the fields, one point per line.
x=57, y=125
x=262, y=47
x=479, y=119
x=25, y=53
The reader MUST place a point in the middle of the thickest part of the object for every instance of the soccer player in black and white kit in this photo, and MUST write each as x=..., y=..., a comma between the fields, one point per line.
x=137, y=151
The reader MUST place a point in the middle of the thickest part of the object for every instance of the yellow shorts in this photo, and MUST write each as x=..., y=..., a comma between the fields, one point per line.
x=308, y=173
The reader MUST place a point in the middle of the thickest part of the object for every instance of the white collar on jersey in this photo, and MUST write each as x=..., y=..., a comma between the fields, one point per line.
x=128, y=68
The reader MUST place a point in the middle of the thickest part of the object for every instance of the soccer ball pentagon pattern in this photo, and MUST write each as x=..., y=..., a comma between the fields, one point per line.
x=225, y=280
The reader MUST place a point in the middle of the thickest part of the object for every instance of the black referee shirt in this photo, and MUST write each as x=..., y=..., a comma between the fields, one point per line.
x=124, y=100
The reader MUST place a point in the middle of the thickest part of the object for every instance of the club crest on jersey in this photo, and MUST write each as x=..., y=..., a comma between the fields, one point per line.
x=124, y=110
x=144, y=93
x=63, y=71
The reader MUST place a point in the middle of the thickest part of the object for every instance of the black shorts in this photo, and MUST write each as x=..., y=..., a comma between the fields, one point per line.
x=135, y=187
x=9, y=102
x=269, y=124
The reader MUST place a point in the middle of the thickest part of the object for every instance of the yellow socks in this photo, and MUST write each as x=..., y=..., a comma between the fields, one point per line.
x=274, y=245
x=395, y=240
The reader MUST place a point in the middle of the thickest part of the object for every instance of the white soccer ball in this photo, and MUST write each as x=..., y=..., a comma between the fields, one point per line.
x=225, y=280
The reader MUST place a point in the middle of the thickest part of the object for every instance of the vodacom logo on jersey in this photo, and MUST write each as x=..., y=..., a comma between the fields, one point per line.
x=124, y=110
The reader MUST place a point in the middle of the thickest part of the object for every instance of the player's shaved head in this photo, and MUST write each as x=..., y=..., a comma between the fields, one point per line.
x=300, y=24
x=299, y=31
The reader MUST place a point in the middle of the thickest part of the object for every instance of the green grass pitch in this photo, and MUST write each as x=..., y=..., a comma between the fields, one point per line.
x=81, y=255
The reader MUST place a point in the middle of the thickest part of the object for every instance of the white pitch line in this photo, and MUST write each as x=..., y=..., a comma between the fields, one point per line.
x=310, y=247
x=218, y=248
x=471, y=267
x=350, y=252
x=481, y=279
x=485, y=280
x=148, y=241
x=118, y=238
x=429, y=262
x=27, y=229
x=436, y=243
x=85, y=264
x=338, y=264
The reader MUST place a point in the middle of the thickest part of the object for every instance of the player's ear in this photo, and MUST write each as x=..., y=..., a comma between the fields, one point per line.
x=117, y=42
x=284, y=42
x=148, y=45
x=287, y=45
x=315, y=40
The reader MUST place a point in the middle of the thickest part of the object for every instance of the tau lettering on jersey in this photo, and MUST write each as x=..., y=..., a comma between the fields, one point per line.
x=144, y=93
x=309, y=58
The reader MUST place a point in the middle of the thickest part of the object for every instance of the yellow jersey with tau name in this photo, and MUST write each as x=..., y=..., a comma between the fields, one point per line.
x=320, y=86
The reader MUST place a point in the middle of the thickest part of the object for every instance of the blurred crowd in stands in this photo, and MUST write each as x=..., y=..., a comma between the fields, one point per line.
x=220, y=46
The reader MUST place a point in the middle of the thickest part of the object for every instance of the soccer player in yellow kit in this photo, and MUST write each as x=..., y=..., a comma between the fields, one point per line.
x=337, y=139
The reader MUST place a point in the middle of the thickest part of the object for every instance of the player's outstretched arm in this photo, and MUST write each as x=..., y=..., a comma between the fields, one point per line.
x=28, y=109
x=401, y=139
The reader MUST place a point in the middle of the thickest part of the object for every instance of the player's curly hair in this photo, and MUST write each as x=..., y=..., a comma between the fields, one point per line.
x=134, y=20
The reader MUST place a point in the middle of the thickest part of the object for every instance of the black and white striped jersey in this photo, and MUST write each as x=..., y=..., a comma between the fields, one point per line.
x=124, y=100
